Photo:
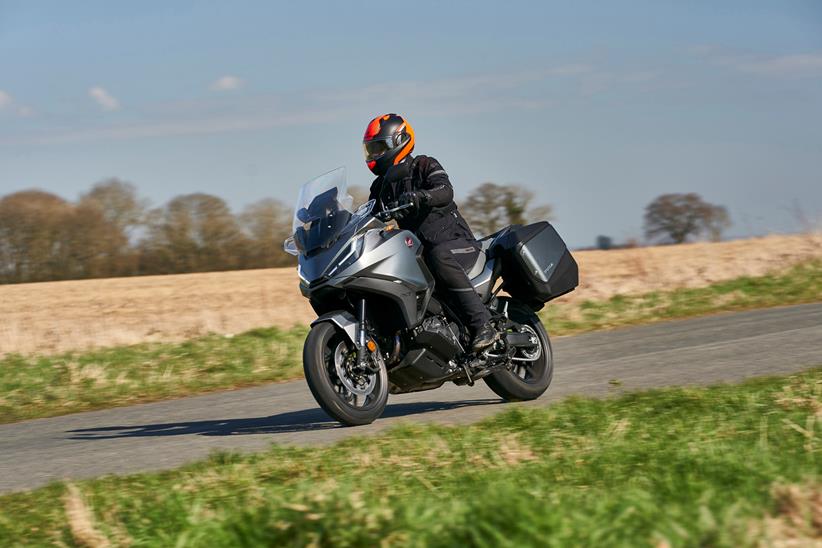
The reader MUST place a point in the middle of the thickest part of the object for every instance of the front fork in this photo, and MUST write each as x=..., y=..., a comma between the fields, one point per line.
x=362, y=336
x=368, y=352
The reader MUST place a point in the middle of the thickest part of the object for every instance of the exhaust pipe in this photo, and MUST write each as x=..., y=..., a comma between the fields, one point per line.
x=519, y=340
x=395, y=352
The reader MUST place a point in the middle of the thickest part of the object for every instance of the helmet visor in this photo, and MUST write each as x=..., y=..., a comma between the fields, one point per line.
x=375, y=149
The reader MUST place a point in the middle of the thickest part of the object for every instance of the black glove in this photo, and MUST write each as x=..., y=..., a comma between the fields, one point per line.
x=403, y=213
x=415, y=199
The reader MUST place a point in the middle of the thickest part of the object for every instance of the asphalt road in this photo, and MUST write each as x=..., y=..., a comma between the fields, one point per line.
x=167, y=434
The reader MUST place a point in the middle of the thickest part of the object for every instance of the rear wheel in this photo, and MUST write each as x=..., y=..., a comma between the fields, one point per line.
x=532, y=369
x=330, y=364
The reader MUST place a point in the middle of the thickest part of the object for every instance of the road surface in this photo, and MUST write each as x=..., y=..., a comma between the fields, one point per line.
x=167, y=434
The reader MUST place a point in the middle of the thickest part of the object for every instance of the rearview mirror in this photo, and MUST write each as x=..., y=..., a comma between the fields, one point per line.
x=365, y=209
x=290, y=247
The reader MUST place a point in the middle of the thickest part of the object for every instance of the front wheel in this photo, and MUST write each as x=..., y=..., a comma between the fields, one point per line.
x=532, y=369
x=329, y=361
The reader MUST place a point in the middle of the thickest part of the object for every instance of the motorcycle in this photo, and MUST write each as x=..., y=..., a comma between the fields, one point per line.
x=382, y=326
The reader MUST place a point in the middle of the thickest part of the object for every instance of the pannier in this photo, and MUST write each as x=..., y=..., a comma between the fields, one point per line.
x=536, y=263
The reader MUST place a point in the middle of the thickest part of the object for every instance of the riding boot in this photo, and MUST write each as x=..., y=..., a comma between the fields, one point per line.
x=476, y=316
x=484, y=337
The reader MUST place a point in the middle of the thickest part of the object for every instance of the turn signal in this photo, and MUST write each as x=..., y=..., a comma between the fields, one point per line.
x=372, y=346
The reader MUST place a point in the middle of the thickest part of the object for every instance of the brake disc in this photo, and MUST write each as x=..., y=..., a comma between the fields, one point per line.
x=358, y=388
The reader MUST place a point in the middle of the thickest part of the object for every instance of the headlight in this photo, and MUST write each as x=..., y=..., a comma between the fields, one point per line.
x=354, y=253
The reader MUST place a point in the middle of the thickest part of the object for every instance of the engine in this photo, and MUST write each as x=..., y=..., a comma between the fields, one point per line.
x=439, y=337
x=428, y=362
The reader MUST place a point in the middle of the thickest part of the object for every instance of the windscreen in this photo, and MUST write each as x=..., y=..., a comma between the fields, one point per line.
x=322, y=212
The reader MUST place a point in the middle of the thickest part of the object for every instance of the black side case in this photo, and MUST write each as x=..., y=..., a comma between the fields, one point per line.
x=536, y=264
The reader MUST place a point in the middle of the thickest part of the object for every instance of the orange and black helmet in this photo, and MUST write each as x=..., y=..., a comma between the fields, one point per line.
x=388, y=140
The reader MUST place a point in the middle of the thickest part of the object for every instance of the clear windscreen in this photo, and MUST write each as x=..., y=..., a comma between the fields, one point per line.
x=323, y=209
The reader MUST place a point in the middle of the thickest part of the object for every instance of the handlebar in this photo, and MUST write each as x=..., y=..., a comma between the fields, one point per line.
x=388, y=214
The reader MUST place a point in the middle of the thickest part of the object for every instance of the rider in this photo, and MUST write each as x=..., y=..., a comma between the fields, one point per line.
x=422, y=183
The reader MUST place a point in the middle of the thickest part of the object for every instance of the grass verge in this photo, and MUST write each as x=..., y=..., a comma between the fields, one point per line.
x=730, y=465
x=800, y=284
x=32, y=387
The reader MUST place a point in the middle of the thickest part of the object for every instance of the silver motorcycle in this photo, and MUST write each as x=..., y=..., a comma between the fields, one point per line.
x=382, y=326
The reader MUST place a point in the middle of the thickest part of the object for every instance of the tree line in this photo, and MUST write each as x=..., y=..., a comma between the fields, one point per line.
x=110, y=231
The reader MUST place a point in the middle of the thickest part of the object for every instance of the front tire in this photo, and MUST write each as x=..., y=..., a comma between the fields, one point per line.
x=525, y=380
x=352, y=399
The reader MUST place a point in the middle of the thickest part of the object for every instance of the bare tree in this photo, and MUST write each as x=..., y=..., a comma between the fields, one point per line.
x=491, y=207
x=676, y=217
x=30, y=223
x=193, y=233
x=92, y=246
x=267, y=224
x=716, y=222
x=43, y=237
x=119, y=203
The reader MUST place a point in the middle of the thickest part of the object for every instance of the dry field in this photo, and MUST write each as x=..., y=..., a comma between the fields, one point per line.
x=49, y=317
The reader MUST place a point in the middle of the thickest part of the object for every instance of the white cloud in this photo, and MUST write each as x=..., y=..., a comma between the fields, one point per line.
x=104, y=98
x=227, y=83
x=797, y=64
x=8, y=104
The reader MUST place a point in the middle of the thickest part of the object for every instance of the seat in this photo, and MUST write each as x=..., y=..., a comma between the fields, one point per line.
x=482, y=259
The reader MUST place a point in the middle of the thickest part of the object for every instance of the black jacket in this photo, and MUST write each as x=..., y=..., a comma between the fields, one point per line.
x=437, y=221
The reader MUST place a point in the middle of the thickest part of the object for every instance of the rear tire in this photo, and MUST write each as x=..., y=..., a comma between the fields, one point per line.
x=325, y=344
x=531, y=381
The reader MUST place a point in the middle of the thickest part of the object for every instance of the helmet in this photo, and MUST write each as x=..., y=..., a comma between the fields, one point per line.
x=388, y=140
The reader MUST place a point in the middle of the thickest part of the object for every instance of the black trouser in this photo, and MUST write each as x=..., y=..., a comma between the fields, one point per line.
x=449, y=262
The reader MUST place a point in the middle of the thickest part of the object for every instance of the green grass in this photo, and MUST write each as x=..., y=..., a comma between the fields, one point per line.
x=45, y=386
x=55, y=385
x=686, y=467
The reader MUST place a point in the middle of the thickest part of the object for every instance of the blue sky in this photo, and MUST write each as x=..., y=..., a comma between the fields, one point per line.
x=596, y=106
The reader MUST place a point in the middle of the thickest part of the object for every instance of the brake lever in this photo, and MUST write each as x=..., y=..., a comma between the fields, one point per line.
x=388, y=214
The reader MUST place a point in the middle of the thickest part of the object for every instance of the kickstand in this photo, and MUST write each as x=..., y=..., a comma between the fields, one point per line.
x=468, y=374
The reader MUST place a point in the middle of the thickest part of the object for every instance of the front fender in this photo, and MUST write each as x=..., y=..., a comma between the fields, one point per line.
x=342, y=319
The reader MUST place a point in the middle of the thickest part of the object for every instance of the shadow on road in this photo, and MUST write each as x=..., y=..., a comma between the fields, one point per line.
x=306, y=420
